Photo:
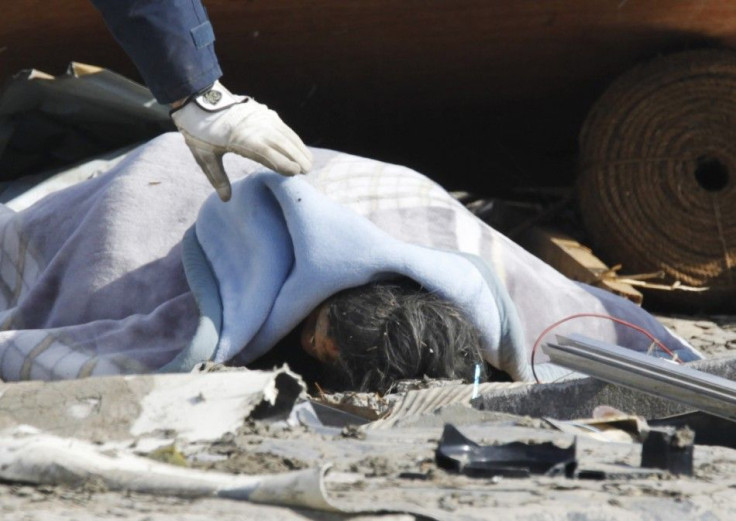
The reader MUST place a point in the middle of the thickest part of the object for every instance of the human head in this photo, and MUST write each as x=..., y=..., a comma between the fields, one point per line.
x=376, y=334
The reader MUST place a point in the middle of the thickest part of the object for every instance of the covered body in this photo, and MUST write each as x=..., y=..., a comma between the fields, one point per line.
x=96, y=278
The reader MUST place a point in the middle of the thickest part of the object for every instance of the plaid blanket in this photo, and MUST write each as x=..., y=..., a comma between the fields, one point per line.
x=143, y=269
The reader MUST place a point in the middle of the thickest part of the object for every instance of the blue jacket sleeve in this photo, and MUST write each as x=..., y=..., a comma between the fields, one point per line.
x=171, y=43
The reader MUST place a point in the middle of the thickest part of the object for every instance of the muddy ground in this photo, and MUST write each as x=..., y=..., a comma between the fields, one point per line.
x=395, y=469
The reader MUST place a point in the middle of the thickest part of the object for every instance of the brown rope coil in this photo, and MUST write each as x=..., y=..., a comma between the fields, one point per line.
x=657, y=164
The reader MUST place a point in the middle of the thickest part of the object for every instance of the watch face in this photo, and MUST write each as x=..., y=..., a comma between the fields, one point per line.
x=212, y=96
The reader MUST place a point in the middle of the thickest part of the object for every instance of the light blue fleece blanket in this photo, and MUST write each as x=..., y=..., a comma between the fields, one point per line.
x=93, y=277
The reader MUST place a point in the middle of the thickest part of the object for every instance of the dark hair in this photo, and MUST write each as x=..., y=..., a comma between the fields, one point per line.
x=388, y=331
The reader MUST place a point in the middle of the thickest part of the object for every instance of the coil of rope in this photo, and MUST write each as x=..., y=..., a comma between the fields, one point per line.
x=657, y=173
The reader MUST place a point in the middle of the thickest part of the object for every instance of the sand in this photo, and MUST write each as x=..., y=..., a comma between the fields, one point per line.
x=395, y=469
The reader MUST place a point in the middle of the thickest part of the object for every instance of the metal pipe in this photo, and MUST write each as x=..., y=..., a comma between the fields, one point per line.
x=659, y=377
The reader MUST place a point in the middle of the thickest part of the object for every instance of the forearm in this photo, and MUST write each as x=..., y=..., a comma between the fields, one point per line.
x=171, y=43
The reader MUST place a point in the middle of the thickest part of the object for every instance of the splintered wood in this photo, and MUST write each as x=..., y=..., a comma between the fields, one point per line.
x=576, y=261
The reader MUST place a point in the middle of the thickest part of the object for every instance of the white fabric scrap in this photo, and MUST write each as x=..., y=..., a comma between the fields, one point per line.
x=30, y=456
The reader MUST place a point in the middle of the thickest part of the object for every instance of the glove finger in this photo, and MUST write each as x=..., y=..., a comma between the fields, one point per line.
x=211, y=164
x=298, y=150
x=268, y=156
x=295, y=151
x=264, y=130
x=279, y=162
x=279, y=135
x=263, y=149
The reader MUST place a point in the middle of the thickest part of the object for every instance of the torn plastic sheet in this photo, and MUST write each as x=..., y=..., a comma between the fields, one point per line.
x=48, y=121
x=457, y=453
x=84, y=93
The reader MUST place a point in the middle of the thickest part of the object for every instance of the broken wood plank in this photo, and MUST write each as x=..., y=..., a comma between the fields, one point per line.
x=575, y=261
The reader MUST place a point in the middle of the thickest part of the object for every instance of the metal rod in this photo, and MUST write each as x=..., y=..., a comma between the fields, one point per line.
x=659, y=377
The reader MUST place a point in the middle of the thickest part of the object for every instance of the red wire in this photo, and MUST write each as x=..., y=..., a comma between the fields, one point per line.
x=596, y=315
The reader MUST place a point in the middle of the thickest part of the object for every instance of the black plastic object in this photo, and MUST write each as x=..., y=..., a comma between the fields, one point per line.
x=670, y=449
x=709, y=429
x=457, y=453
x=51, y=122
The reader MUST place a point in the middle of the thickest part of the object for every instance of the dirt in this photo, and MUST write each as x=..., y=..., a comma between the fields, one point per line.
x=239, y=453
x=396, y=467
x=713, y=335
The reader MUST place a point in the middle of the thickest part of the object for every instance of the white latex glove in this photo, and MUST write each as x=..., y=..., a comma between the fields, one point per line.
x=216, y=122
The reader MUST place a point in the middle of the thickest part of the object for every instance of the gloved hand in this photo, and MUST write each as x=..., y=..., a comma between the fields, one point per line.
x=216, y=122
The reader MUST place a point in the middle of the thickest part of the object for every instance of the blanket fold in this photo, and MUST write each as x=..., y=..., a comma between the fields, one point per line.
x=96, y=278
